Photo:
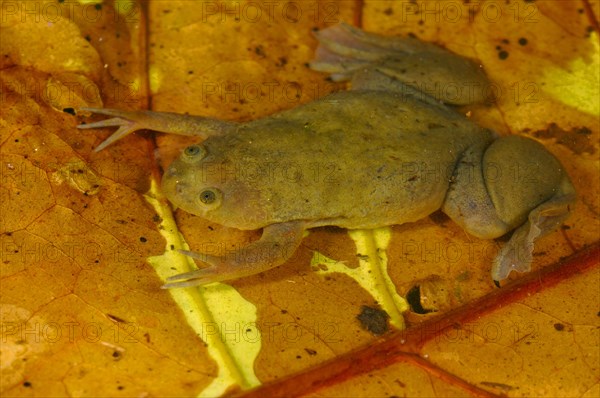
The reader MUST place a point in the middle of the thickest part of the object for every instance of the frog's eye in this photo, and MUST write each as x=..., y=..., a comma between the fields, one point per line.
x=210, y=198
x=193, y=153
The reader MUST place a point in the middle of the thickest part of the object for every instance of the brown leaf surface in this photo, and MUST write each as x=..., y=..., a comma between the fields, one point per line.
x=82, y=312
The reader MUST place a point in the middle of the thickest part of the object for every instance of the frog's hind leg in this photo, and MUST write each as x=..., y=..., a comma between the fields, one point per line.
x=344, y=50
x=131, y=121
x=517, y=254
x=372, y=79
x=513, y=184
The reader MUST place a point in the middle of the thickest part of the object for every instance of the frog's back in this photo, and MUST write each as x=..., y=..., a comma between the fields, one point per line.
x=351, y=159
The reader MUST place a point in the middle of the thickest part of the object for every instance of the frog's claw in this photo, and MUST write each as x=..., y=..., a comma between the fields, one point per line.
x=166, y=122
x=277, y=244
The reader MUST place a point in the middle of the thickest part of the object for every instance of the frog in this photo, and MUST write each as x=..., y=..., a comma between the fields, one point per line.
x=388, y=151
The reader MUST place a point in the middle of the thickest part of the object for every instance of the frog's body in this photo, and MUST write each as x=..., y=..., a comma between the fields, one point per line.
x=381, y=154
x=291, y=167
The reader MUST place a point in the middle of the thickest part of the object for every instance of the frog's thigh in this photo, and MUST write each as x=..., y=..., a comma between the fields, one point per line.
x=515, y=182
x=468, y=202
x=520, y=174
x=531, y=192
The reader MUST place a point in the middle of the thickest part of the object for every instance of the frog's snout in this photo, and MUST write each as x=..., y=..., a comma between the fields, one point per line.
x=171, y=172
x=175, y=189
x=171, y=183
x=177, y=182
x=175, y=178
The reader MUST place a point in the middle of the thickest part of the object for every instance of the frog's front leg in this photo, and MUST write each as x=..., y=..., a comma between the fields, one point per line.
x=276, y=245
x=166, y=122
x=514, y=183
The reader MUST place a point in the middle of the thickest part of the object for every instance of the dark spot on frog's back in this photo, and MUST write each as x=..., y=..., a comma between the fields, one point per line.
x=368, y=136
x=432, y=126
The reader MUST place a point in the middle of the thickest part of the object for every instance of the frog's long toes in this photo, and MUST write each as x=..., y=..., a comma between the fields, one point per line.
x=115, y=121
x=124, y=130
x=197, y=277
x=193, y=278
x=110, y=112
x=205, y=258
x=123, y=120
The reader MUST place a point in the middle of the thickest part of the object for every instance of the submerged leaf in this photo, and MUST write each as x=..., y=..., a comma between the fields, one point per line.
x=84, y=253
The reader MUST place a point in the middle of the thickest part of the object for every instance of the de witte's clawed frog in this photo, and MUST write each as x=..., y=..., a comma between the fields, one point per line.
x=385, y=152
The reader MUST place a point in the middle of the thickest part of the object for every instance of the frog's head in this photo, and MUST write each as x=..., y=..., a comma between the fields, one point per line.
x=199, y=183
